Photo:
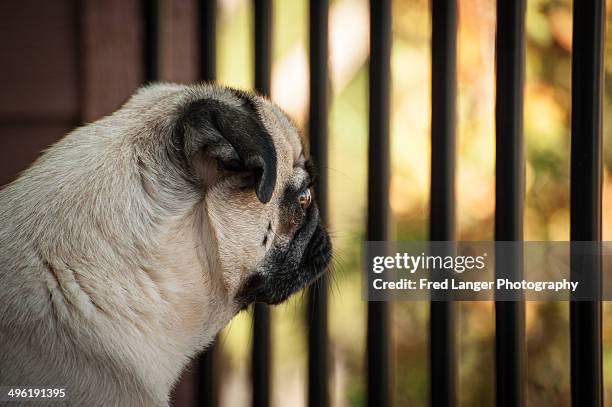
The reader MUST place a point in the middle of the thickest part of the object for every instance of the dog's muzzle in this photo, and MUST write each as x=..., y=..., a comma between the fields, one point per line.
x=287, y=271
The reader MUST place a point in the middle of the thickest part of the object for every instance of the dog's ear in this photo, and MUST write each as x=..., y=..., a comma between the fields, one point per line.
x=233, y=136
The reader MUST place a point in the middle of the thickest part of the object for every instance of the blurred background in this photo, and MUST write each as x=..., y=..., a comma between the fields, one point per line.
x=76, y=51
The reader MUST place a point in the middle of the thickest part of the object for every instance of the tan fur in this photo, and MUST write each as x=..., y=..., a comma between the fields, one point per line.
x=111, y=279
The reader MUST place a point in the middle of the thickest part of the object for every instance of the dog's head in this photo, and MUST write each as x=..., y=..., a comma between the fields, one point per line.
x=244, y=161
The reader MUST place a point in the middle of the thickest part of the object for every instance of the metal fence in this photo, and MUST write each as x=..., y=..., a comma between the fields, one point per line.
x=586, y=178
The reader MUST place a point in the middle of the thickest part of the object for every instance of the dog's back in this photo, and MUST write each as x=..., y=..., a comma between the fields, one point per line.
x=50, y=334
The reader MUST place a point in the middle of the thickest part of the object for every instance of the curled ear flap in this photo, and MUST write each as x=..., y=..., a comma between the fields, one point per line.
x=232, y=135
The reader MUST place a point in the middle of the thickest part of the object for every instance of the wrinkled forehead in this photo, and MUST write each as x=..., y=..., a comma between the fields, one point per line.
x=288, y=144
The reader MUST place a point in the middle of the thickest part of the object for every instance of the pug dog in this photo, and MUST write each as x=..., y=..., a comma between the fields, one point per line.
x=133, y=240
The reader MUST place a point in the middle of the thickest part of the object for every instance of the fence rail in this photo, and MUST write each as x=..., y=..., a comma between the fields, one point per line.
x=378, y=338
x=442, y=346
x=585, y=200
x=509, y=194
x=318, y=353
x=586, y=178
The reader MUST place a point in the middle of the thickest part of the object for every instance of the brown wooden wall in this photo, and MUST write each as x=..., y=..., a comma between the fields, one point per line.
x=69, y=62
x=39, y=75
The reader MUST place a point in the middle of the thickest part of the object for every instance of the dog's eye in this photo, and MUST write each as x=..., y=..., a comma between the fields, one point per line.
x=305, y=198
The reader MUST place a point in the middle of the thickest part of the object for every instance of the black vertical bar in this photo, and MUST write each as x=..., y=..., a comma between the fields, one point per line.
x=317, y=126
x=207, y=386
x=378, y=338
x=151, y=44
x=208, y=40
x=261, y=369
x=586, y=179
x=442, y=207
x=263, y=45
x=509, y=195
x=206, y=378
